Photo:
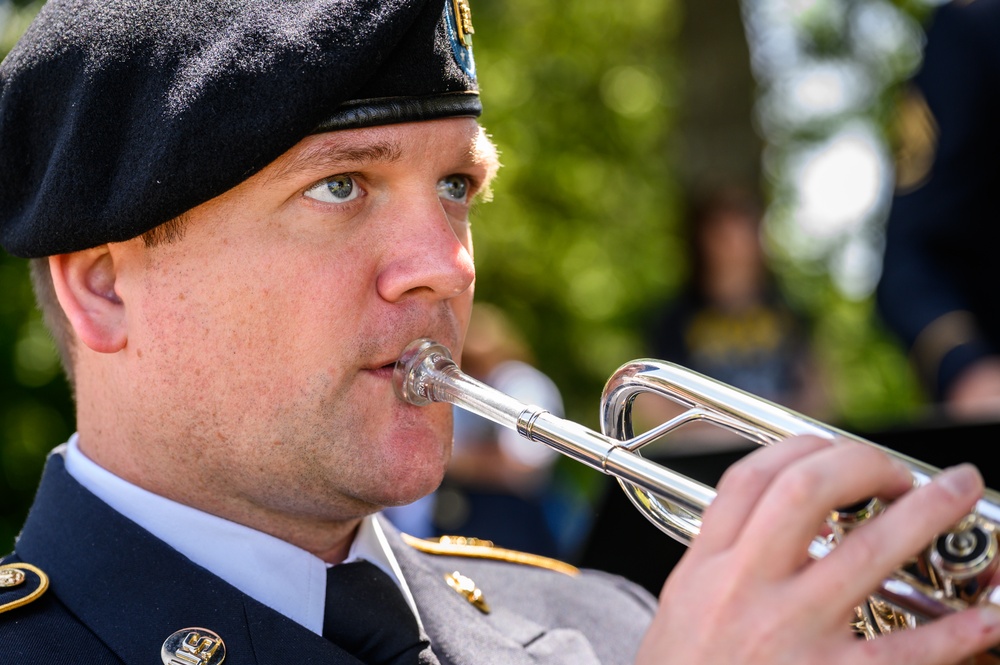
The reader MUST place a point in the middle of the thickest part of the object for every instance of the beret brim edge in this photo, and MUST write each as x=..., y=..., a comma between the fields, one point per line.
x=394, y=110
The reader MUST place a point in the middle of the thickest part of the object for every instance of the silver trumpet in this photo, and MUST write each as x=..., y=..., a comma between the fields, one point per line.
x=952, y=573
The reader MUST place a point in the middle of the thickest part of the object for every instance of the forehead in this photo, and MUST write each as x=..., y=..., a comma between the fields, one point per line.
x=458, y=140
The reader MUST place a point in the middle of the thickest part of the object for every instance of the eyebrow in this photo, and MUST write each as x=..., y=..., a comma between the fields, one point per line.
x=323, y=156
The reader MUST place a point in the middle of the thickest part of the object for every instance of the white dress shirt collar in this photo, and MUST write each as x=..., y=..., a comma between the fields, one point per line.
x=278, y=574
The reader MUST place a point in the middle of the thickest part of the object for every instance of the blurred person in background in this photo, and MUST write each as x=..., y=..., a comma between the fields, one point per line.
x=729, y=321
x=937, y=290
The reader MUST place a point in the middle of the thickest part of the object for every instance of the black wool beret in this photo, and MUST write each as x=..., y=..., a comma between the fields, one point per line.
x=119, y=115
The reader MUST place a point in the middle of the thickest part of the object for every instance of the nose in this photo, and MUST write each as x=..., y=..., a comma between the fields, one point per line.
x=430, y=255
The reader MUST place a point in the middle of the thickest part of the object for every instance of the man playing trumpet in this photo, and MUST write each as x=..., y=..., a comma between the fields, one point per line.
x=239, y=213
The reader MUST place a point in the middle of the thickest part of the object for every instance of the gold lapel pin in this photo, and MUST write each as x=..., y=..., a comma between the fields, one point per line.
x=12, y=576
x=193, y=646
x=466, y=587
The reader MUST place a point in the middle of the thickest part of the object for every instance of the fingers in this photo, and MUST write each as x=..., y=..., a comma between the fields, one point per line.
x=742, y=594
x=802, y=496
x=772, y=504
x=947, y=641
x=871, y=552
x=742, y=486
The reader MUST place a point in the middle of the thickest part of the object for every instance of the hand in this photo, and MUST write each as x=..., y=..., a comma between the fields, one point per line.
x=746, y=592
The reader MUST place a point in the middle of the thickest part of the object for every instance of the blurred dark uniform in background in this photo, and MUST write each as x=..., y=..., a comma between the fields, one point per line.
x=938, y=290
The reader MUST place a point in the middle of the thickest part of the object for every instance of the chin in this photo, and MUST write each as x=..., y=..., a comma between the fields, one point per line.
x=409, y=461
x=398, y=496
x=413, y=482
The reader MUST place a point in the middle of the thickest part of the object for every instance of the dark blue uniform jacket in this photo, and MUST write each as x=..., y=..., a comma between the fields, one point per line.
x=117, y=592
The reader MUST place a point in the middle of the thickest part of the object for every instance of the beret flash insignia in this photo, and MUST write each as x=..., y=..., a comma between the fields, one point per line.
x=458, y=20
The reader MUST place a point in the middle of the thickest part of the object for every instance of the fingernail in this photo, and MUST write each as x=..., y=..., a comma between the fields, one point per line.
x=959, y=480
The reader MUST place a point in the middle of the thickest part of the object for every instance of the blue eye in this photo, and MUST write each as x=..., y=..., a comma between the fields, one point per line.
x=454, y=188
x=338, y=189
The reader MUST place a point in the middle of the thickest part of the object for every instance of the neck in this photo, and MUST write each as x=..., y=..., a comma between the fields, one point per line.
x=328, y=539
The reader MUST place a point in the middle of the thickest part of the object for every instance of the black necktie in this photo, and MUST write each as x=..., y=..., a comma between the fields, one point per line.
x=367, y=616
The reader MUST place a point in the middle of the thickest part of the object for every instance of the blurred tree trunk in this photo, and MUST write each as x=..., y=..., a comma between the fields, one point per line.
x=716, y=139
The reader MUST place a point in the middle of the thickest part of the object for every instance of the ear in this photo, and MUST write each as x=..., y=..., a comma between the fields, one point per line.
x=85, y=285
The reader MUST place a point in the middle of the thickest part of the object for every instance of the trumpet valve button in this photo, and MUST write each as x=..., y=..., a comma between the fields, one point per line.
x=965, y=560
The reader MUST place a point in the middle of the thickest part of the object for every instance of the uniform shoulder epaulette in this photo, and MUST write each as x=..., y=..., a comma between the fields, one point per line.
x=20, y=584
x=484, y=549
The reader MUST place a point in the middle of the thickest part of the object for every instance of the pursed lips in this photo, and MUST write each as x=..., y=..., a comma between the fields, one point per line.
x=384, y=370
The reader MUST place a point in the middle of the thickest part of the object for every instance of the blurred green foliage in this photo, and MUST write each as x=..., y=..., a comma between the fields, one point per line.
x=581, y=236
x=35, y=408
x=579, y=245
x=583, y=242
x=870, y=381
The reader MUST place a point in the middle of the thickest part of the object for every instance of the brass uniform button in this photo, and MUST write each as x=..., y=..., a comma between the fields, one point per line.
x=193, y=646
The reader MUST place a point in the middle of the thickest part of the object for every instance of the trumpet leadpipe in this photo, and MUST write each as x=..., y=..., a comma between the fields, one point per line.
x=426, y=373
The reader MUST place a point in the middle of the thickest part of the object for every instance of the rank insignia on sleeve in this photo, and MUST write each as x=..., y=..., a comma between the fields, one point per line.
x=20, y=584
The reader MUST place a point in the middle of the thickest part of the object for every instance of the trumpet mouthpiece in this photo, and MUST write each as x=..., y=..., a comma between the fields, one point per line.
x=414, y=368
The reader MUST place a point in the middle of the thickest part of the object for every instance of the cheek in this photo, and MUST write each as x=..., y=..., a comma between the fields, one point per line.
x=203, y=325
x=283, y=303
